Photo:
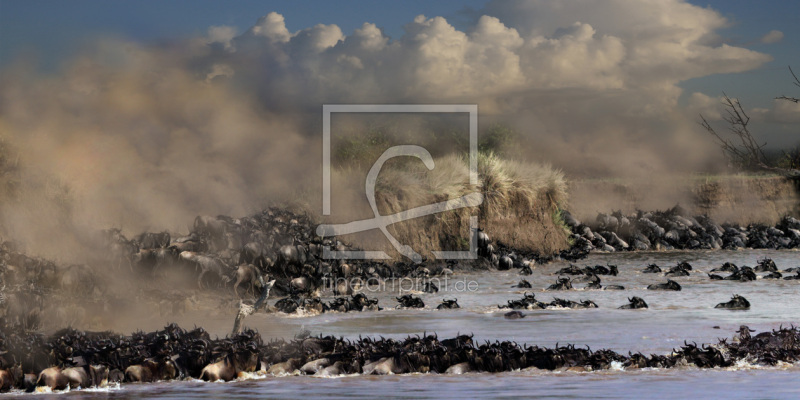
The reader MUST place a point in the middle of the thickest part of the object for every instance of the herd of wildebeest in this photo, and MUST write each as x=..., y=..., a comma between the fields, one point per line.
x=238, y=255
x=676, y=228
x=72, y=359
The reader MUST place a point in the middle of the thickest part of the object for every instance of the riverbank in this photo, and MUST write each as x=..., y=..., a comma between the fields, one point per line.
x=739, y=199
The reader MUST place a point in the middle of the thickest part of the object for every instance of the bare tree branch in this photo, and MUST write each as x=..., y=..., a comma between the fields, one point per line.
x=741, y=147
x=796, y=83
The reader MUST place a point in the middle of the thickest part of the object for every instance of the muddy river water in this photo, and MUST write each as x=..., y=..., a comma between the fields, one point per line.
x=672, y=318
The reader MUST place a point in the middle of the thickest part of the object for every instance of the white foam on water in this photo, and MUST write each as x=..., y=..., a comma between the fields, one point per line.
x=108, y=388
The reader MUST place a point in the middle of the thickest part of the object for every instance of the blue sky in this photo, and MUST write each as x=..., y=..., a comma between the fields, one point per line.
x=51, y=31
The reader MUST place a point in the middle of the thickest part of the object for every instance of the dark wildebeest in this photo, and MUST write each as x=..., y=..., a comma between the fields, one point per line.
x=505, y=263
x=635, y=303
x=78, y=278
x=669, y=285
x=514, y=315
x=254, y=253
x=410, y=301
x=766, y=265
x=523, y=284
x=309, y=283
x=214, y=228
x=561, y=284
x=150, y=240
x=652, y=269
x=192, y=242
x=773, y=275
x=736, y=303
x=291, y=255
x=430, y=287
x=153, y=259
x=483, y=244
x=681, y=269
x=727, y=267
x=448, y=304
x=594, y=282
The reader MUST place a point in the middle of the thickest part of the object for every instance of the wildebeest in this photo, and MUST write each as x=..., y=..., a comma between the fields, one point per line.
x=152, y=260
x=410, y=301
x=189, y=243
x=572, y=304
x=594, y=282
x=571, y=270
x=254, y=253
x=231, y=365
x=561, y=284
x=773, y=275
x=682, y=269
x=122, y=252
x=291, y=256
x=528, y=302
x=652, y=269
x=483, y=244
x=634, y=303
x=796, y=276
x=150, y=240
x=246, y=273
x=523, y=284
x=766, y=265
x=726, y=267
x=430, y=287
x=285, y=367
x=54, y=379
x=206, y=264
x=12, y=377
x=505, y=263
x=23, y=308
x=743, y=274
x=514, y=315
x=669, y=285
x=602, y=270
x=214, y=228
x=448, y=304
x=78, y=278
x=736, y=303
x=59, y=379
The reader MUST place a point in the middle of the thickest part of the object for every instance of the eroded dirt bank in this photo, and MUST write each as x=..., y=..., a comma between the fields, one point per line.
x=738, y=199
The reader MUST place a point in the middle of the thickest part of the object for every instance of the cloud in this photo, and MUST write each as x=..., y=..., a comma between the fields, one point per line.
x=127, y=137
x=517, y=46
x=772, y=37
x=710, y=108
x=221, y=34
x=782, y=111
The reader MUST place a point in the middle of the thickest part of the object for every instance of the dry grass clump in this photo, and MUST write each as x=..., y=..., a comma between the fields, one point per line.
x=520, y=208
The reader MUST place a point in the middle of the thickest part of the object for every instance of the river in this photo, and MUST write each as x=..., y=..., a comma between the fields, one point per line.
x=672, y=318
